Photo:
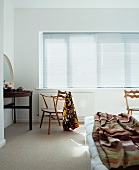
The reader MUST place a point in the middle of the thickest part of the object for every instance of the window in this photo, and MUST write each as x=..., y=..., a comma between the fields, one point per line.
x=87, y=60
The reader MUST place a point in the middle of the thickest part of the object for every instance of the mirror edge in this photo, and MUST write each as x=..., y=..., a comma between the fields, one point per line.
x=11, y=68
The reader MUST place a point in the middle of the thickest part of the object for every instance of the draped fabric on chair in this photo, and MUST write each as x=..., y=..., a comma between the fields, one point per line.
x=70, y=119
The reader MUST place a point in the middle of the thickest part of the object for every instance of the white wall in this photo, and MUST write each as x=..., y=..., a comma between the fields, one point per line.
x=28, y=23
x=8, y=49
x=9, y=30
x=2, y=140
x=75, y=4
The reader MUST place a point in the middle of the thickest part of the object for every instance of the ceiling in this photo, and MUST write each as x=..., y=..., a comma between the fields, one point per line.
x=75, y=3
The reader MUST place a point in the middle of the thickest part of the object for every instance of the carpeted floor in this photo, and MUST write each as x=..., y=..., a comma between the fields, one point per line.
x=35, y=150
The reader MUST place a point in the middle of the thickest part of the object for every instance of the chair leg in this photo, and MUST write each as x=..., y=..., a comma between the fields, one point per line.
x=58, y=120
x=130, y=112
x=49, y=126
x=42, y=119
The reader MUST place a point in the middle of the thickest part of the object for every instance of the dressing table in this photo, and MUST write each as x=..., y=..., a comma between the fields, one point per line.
x=15, y=94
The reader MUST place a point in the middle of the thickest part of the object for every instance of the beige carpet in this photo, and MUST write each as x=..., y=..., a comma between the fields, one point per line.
x=35, y=150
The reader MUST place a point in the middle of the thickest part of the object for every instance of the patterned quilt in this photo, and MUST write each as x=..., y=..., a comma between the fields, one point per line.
x=117, y=140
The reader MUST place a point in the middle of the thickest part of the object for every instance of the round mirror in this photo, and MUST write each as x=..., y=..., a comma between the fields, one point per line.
x=8, y=74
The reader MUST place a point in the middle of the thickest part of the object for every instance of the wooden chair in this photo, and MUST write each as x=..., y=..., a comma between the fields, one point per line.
x=131, y=94
x=53, y=113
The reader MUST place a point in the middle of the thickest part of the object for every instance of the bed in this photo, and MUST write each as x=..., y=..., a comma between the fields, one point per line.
x=96, y=163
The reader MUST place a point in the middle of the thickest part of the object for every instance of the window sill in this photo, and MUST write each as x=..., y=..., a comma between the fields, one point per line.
x=77, y=90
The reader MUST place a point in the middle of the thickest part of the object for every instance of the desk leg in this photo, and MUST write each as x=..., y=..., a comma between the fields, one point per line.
x=14, y=110
x=30, y=112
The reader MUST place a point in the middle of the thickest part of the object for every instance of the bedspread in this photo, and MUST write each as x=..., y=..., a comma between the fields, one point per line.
x=117, y=140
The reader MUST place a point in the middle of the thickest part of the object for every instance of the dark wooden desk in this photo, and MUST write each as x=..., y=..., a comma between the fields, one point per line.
x=13, y=95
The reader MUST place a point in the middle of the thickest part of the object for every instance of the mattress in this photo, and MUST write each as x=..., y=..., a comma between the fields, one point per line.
x=96, y=163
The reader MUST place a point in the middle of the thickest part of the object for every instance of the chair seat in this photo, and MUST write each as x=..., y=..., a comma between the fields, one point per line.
x=48, y=110
x=60, y=111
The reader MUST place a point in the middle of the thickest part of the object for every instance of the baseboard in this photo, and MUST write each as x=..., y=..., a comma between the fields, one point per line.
x=8, y=123
x=81, y=118
x=26, y=120
x=2, y=142
x=38, y=119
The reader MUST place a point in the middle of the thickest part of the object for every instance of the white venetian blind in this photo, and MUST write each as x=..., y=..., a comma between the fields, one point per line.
x=131, y=59
x=110, y=52
x=84, y=60
x=55, y=61
x=69, y=60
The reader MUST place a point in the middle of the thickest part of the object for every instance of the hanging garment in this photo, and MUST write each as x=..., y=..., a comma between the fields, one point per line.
x=70, y=119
